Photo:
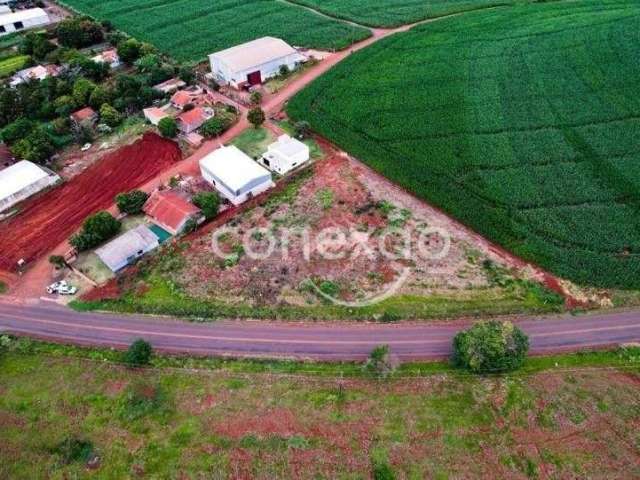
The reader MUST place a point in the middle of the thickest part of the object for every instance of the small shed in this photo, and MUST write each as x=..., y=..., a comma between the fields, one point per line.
x=234, y=174
x=285, y=154
x=171, y=212
x=85, y=117
x=170, y=86
x=21, y=19
x=128, y=247
x=253, y=62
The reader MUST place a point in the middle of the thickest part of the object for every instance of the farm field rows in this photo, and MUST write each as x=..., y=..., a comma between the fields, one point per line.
x=522, y=122
x=48, y=219
x=393, y=13
x=189, y=30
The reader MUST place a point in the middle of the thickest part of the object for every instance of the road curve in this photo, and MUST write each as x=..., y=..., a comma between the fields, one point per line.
x=318, y=341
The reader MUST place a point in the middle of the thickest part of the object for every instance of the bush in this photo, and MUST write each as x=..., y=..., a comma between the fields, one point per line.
x=214, y=127
x=379, y=362
x=256, y=117
x=129, y=50
x=140, y=400
x=17, y=130
x=73, y=449
x=110, y=115
x=208, y=202
x=57, y=261
x=131, y=202
x=79, y=32
x=490, y=347
x=96, y=229
x=36, y=147
x=255, y=98
x=138, y=354
x=168, y=127
x=301, y=129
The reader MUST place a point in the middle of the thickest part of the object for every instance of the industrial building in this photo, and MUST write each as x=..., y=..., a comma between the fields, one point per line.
x=21, y=19
x=22, y=180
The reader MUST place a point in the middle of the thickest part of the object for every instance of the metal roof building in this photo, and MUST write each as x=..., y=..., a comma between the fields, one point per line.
x=22, y=180
x=253, y=62
x=234, y=174
x=128, y=247
x=21, y=19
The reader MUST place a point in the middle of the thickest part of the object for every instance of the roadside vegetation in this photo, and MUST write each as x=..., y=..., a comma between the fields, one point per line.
x=67, y=410
x=473, y=124
x=203, y=29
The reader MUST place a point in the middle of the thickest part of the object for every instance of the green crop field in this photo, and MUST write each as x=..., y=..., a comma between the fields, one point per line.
x=189, y=30
x=523, y=122
x=393, y=13
x=12, y=64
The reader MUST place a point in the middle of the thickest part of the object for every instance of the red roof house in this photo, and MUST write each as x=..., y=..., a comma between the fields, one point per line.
x=193, y=119
x=181, y=98
x=84, y=116
x=170, y=211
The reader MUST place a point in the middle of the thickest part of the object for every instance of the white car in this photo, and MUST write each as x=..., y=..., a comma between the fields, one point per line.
x=61, y=288
x=85, y=147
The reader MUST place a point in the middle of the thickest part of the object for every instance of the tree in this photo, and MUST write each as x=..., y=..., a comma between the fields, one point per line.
x=256, y=97
x=36, y=45
x=110, y=115
x=301, y=129
x=96, y=229
x=168, y=127
x=96, y=71
x=256, y=117
x=284, y=70
x=131, y=202
x=214, y=127
x=490, y=347
x=208, y=202
x=379, y=361
x=10, y=105
x=138, y=354
x=36, y=147
x=64, y=105
x=82, y=90
x=57, y=261
x=186, y=75
x=129, y=50
x=99, y=97
x=17, y=130
x=79, y=32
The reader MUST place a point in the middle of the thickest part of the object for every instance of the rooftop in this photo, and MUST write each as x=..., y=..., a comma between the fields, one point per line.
x=287, y=146
x=126, y=245
x=19, y=176
x=22, y=15
x=196, y=116
x=169, y=208
x=83, y=114
x=254, y=53
x=234, y=168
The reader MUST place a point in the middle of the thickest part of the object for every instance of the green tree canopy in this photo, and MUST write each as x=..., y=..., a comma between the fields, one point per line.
x=168, y=127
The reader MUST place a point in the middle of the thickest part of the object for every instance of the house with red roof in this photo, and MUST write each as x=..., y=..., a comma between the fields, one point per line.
x=193, y=119
x=181, y=99
x=84, y=117
x=170, y=211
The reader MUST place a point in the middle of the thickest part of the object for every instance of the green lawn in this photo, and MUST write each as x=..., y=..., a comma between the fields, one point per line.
x=392, y=13
x=63, y=407
x=10, y=65
x=189, y=30
x=521, y=121
x=254, y=141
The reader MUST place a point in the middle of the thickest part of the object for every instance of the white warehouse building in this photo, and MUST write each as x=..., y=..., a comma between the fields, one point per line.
x=21, y=19
x=234, y=174
x=254, y=62
x=22, y=180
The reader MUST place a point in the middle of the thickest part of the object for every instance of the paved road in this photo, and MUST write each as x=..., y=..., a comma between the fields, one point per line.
x=320, y=341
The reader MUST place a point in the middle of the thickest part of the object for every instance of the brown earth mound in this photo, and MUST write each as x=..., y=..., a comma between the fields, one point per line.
x=46, y=221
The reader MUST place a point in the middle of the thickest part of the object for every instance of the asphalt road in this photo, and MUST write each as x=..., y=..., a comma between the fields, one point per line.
x=319, y=341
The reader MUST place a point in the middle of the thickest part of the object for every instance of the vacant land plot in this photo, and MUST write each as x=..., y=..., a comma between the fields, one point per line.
x=393, y=13
x=74, y=418
x=189, y=30
x=47, y=220
x=523, y=122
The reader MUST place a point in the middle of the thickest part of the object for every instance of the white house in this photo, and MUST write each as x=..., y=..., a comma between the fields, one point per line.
x=254, y=62
x=38, y=72
x=110, y=57
x=128, y=247
x=22, y=180
x=285, y=154
x=21, y=19
x=234, y=174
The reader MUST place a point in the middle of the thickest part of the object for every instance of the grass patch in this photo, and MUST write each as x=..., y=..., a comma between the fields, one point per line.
x=254, y=141
x=9, y=66
x=3, y=287
x=473, y=124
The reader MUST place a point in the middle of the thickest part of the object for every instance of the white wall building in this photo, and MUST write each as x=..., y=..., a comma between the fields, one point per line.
x=285, y=154
x=22, y=180
x=234, y=174
x=254, y=62
x=128, y=247
x=21, y=19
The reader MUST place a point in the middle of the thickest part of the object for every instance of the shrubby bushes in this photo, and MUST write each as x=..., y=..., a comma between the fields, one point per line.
x=131, y=202
x=96, y=229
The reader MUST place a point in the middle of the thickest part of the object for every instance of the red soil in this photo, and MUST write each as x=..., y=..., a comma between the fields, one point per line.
x=46, y=221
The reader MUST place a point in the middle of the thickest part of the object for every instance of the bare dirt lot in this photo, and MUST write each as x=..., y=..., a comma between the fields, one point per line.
x=47, y=220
